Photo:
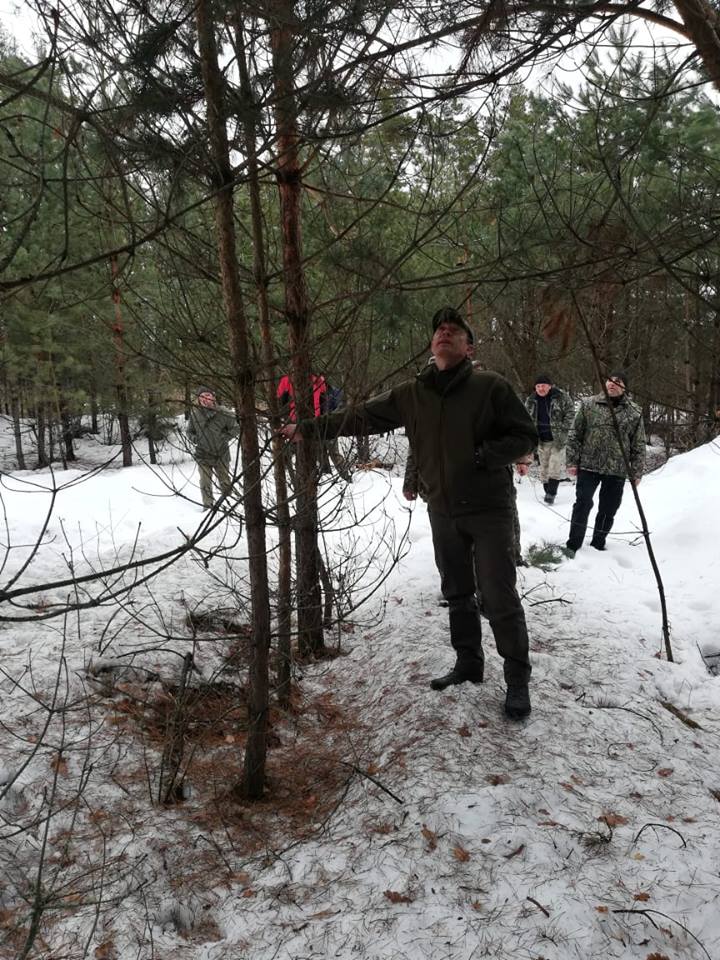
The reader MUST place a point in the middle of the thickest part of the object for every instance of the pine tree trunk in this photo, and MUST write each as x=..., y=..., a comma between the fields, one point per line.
x=67, y=433
x=121, y=393
x=70, y=454
x=284, y=606
x=42, y=460
x=50, y=432
x=363, y=449
x=297, y=314
x=17, y=428
x=151, y=426
x=94, y=428
x=713, y=406
x=702, y=22
x=244, y=383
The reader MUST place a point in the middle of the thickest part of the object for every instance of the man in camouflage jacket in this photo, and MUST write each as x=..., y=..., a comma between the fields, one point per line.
x=210, y=430
x=605, y=447
x=552, y=411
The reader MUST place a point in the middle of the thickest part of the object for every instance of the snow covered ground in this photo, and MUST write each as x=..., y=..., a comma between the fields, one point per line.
x=400, y=822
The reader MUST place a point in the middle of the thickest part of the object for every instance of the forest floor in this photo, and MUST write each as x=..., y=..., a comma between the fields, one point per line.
x=399, y=822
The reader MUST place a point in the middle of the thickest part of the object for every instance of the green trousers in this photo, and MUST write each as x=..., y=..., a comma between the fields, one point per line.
x=476, y=553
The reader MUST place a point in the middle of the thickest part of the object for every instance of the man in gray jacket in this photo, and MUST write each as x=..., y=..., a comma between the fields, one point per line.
x=210, y=430
x=465, y=428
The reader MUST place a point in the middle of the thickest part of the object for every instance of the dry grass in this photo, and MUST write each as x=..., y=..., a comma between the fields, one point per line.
x=309, y=748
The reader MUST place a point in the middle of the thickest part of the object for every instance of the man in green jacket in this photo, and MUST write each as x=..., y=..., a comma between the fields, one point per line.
x=465, y=429
x=210, y=430
x=412, y=489
x=605, y=447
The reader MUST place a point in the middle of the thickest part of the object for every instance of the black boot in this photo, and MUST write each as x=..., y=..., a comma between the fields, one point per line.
x=466, y=638
x=517, y=701
x=460, y=673
x=551, y=489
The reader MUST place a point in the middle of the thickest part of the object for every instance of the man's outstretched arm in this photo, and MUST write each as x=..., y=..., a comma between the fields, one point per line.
x=378, y=415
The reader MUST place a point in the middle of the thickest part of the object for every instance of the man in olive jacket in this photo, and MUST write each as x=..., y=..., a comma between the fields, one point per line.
x=465, y=429
x=607, y=437
x=210, y=430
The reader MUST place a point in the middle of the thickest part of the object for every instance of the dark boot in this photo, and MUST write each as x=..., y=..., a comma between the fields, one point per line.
x=517, y=701
x=466, y=638
x=551, y=489
x=603, y=525
x=460, y=673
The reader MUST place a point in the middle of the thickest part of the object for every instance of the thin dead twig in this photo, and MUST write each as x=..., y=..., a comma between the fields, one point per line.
x=538, y=905
x=537, y=603
x=635, y=713
x=647, y=912
x=369, y=776
x=664, y=826
x=683, y=717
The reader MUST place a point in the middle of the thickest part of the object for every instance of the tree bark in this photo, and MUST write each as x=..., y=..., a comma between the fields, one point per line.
x=67, y=432
x=151, y=424
x=297, y=314
x=253, y=784
x=50, y=432
x=284, y=606
x=94, y=428
x=118, y=331
x=17, y=429
x=363, y=449
x=42, y=460
x=702, y=23
x=714, y=381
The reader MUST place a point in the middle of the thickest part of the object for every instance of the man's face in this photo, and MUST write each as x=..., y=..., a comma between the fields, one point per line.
x=615, y=388
x=450, y=344
x=543, y=389
x=206, y=399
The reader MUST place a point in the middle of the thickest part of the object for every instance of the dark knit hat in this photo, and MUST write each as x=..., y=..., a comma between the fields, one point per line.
x=543, y=378
x=451, y=315
x=201, y=390
x=618, y=375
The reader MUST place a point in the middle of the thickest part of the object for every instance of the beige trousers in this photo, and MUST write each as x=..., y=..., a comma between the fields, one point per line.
x=552, y=461
x=222, y=477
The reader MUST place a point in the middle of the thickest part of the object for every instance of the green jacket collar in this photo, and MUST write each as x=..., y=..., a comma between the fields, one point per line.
x=427, y=376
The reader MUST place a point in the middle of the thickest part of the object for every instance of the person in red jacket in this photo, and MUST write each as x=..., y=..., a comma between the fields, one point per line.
x=286, y=396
